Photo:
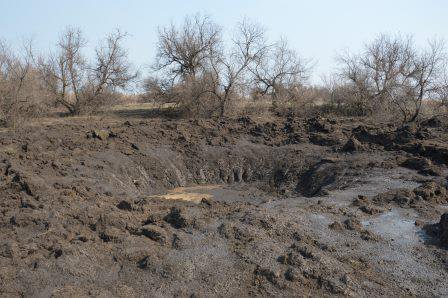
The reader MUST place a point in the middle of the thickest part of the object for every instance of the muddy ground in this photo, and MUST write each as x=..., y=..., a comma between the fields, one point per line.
x=233, y=207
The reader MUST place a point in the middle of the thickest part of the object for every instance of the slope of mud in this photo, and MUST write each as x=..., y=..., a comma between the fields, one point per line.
x=286, y=207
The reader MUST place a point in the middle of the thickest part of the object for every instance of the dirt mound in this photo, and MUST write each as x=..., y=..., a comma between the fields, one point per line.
x=443, y=228
x=439, y=231
x=434, y=150
x=422, y=165
x=373, y=135
x=427, y=194
x=352, y=145
x=433, y=122
x=420, y=141
x=433, y=192
x=319, y=124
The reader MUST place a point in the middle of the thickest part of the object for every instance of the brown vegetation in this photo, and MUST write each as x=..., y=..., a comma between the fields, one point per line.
x=392, y=73
x=202, y=75
x=21, y=92
x=78, y=85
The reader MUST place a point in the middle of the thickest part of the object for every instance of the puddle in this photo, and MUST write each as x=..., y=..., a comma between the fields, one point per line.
x=396, y=226
x=191, y=194
x=222, y=193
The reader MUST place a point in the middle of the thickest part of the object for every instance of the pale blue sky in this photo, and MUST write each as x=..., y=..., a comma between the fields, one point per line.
x=316, y=29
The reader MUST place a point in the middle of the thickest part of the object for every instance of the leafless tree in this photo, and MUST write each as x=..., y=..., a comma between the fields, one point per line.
x=182, y=72
x=279, y=69
x=20, y=92
x=195, y=57
x=79, y=85
x=12, y=75
x=230, y=70
x=335, y=92
x=183, y=53
x=425, y=78
x=112, y=68
x=442, y=93
x=66, y=72
x=393, y=72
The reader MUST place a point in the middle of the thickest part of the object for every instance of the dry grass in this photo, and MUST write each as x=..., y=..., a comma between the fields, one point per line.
x=114, y=114
x=141, y=106
x=260, y=109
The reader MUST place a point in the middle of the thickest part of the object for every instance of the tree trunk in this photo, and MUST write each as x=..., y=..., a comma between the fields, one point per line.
x=222, y=108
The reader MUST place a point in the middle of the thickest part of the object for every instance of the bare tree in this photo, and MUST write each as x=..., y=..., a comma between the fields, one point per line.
x=279, y=69
x=79, y=85
x=442, y=94
x=230, y=70
x=425, y=77
x=20, y=92
x=182, y=69
x=65, y=72
x=112, y=68
x=393, y=72
x=196, y=58
x=183, y=53
x=12, y=75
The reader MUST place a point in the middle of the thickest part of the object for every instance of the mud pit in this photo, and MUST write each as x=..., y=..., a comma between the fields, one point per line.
x=285, y=207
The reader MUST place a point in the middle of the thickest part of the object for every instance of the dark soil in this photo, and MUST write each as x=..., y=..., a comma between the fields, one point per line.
x=282, y=207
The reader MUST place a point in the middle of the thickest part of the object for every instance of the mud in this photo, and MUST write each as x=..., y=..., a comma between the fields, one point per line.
x=260, y=207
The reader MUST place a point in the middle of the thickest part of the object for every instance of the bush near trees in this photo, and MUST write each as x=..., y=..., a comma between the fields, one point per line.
x=21, y=92
x=79, y=85
x=29, y=85
x=392, y=73
x=194, y=60
x=202, y=74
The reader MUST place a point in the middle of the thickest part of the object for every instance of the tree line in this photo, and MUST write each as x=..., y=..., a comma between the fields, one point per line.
x=202, y=75
x=30, y=84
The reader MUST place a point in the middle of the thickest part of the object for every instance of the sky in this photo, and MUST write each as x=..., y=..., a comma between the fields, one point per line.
x=316, y=29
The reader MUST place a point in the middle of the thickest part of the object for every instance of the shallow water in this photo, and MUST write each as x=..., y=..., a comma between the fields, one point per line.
x=397, y=226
